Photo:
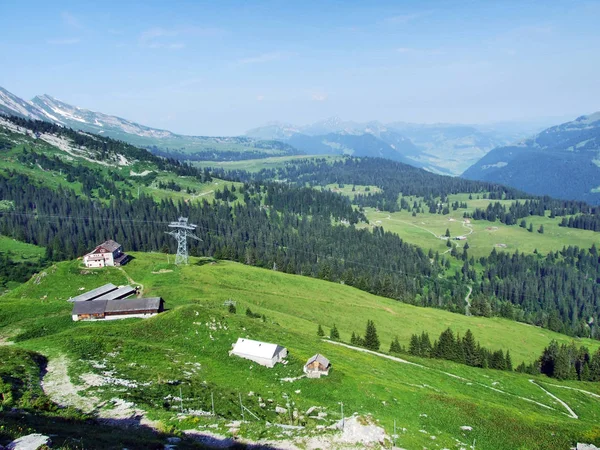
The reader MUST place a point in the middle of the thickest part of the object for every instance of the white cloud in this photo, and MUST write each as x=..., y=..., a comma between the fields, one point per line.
x=67, y=41
x=260, y=98
x=318, y=96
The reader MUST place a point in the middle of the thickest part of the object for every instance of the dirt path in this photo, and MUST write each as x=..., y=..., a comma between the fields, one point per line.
x=403, y=361
x=57, y=385
x=571, y=412
x=133, y=283
x=468, y=301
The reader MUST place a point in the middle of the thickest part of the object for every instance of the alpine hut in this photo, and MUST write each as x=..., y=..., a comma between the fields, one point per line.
x=262, y=353
x=316, y=366
x=109, y=253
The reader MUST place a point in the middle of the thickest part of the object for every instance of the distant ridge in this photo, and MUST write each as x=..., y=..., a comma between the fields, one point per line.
x=562, y=161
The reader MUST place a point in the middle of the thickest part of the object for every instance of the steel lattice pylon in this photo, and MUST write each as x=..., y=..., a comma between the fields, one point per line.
x=181, y=231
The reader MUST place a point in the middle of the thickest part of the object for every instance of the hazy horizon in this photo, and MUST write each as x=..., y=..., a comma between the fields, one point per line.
x=222, y=69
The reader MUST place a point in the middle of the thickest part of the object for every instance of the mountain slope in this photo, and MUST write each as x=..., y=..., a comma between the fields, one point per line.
x=562, y=161
x=164, y=142
x=12, y=105
x=354, y=144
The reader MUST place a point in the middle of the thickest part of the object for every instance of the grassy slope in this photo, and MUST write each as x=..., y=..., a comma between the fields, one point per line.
x=20, y=251
x=190, y=343
x=54, y=179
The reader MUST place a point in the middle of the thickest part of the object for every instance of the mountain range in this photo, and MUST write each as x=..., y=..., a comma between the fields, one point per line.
x=47, y=108
x=442, y=148
x=562, y=161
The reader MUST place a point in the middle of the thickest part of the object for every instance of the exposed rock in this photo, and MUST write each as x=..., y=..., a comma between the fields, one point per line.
x=581, y=446
x=280, y=410
x=30, y=442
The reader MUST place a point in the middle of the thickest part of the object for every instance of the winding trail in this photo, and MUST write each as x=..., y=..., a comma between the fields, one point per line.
x=133, y=282
x=567, y=407
x=468, y=301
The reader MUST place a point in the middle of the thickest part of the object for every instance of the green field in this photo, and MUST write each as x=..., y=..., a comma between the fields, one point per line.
x=20, y=251
x=483, y=236
x=186, y=347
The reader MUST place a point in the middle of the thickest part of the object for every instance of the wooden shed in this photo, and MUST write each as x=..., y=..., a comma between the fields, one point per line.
x=316, y=366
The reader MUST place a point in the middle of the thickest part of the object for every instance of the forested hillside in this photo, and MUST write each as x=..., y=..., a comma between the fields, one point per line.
x=561, y=161
x=289, y=227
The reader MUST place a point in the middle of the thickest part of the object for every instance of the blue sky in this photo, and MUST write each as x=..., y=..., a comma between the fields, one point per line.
x=224, y=67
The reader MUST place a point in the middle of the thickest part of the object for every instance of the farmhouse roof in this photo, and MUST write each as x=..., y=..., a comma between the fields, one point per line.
x=94, y=293
x=256, y=348
x=134, y=304
x=320, y=359
x=110, y=245
x=91, y=307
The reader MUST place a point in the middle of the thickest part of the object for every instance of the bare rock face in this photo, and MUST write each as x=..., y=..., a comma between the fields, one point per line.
x=586, y=447
x=30, y=442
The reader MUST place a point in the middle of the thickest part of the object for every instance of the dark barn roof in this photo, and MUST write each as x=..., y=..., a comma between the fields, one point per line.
x=116, y=307
x=94, y=293
x=134, y=304
x=91, y=307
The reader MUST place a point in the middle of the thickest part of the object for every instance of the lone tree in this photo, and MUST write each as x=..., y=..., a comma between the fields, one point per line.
x=334, y=334
x=447, y=232
x=320, y=331
x=371, y=340
x=232, y=308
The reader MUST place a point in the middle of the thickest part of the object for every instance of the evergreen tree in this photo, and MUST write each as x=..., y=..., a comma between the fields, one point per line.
x=470, y=350
x=509, y=365
x=445, y=347
x=371, y=340
x=425, y=345
x=595, y=367
x=395, y=346
x=232, y=308
x=414, y=346
x=320, y=331
x=334, y=334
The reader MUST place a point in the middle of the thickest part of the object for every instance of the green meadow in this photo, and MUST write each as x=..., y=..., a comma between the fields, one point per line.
x=483, y=236
x=187, y=348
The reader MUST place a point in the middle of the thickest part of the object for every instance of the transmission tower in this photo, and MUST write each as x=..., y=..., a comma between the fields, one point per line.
x=182, y=230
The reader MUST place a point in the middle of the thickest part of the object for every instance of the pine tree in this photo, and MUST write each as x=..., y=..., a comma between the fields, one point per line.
x=371, y=340
x=595, y=367
x=414, y=346
x=320, y=331
x=232, y=308
x=425, y=345
x=354, y=339
x=446, y=346
x=334, y=334
x=395, y=346
x=509, y=365
x=470, y=349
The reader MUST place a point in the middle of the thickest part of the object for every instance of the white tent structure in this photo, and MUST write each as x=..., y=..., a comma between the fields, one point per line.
x=261, y=353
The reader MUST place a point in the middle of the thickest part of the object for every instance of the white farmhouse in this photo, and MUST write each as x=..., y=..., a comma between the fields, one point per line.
x=109, y=253
x=261, y=353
